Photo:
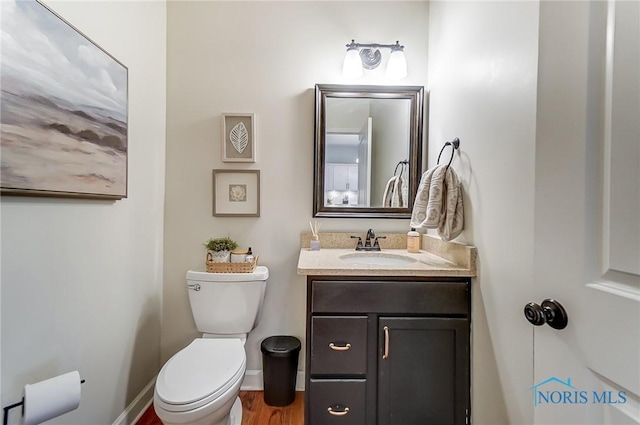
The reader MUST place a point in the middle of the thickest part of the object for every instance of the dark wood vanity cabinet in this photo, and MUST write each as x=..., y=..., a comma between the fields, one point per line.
x=387, y=351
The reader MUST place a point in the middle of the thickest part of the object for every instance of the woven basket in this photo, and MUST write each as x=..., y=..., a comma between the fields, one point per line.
x=213, y=267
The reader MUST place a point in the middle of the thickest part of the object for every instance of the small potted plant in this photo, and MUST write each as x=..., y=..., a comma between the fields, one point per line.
x=220, y=248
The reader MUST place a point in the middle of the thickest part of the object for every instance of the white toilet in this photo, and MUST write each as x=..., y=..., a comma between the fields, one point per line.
x=199, y=385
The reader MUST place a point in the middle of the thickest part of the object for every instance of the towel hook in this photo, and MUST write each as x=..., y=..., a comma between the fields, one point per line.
x=455, y=144
x=403, y=163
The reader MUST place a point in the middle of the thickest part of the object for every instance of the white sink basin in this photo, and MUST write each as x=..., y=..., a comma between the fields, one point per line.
x=377, y=258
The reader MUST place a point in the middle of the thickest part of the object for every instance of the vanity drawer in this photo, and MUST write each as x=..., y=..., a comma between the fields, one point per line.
x=445, y=297
x=338, y=345
x=345, y=398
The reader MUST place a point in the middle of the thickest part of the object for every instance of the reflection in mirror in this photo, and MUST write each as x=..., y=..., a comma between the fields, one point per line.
x=368, y=150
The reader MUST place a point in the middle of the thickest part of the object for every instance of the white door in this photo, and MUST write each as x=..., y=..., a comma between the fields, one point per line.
x=364, y=164
x=587, y=213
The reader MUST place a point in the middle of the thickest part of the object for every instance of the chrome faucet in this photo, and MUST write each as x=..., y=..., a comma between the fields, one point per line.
x=371, y=236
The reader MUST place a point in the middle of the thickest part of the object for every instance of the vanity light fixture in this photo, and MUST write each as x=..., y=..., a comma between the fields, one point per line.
x=368, y=56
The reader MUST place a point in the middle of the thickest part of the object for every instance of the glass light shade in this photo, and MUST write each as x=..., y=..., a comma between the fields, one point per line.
x=397, y=65
x=352, y=66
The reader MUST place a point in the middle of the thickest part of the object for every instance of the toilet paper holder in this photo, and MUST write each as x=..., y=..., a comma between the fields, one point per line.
x=5, y=419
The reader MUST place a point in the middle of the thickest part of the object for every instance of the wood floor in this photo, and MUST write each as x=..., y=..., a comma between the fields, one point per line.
x=254, y=411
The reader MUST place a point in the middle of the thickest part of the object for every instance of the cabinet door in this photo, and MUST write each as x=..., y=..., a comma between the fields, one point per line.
x=424, y=377
x=352, y=177
x=340, y=177
x=328, y=177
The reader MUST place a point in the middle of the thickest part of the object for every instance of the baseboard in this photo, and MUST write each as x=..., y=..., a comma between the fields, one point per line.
x=253, y=381
x=300, y=381
x=138, y=406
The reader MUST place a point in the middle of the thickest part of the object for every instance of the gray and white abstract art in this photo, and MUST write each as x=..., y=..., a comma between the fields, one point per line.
x=63, y=109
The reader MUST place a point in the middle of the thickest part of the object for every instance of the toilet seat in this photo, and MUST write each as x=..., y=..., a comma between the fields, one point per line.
x=200, y=373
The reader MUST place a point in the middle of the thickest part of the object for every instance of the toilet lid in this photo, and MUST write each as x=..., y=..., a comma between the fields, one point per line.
x=204, y=367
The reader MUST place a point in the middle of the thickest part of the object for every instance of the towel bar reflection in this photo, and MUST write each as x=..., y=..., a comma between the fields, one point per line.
x=455, y=144
x=400, y=164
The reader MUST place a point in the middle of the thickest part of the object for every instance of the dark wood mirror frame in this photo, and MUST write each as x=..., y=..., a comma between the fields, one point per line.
x=416, y=96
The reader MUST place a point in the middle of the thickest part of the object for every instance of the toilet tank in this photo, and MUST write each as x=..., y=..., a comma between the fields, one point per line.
x=227, y=303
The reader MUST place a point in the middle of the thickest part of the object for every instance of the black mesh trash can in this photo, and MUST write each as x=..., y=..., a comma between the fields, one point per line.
x=279, y=369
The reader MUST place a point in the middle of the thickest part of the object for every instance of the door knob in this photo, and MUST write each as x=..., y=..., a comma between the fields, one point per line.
x=549, y=311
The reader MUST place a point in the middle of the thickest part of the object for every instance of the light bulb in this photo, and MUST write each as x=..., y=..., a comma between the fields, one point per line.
x=352, y=66
x=397, y=65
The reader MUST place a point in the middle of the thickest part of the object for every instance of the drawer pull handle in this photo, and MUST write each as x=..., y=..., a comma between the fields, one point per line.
x=338, y=412
x=339, y=347
x=386, y=343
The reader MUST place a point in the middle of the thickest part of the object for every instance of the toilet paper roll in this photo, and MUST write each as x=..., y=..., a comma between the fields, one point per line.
x=53, y=397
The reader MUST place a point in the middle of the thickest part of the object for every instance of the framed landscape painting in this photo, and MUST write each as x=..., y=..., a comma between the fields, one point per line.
x=64, y=113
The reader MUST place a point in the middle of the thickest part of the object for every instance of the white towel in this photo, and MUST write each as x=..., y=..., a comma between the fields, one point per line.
x=395, y=193
x=388, y=192
x=438, y=203
x=403, y=192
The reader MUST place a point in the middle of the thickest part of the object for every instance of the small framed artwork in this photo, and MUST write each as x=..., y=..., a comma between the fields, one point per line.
x=236, y=193
x=238, y=138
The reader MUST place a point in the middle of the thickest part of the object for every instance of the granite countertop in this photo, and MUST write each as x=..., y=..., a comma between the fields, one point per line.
x=437, y=258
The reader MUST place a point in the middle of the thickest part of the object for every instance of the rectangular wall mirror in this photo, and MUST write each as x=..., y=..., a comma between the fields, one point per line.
x=368, y=150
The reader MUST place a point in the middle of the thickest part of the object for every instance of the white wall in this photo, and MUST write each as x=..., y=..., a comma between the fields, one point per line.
x=81, y=279
x=483, y=59
x=265, y=58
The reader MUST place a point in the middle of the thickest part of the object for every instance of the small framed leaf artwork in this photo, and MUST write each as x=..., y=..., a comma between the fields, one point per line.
x=238, y=138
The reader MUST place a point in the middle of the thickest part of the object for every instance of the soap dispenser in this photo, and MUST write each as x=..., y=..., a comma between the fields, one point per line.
x=413, y=241
x=249, y=258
